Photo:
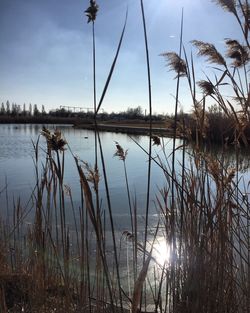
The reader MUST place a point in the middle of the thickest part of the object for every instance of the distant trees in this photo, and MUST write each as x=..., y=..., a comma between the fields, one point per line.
x=60, y=113
x=133, y=113
x=5, y=108
x=14, y=109
x=24, y=113
x=30, y=110
x=8, y=107
x=2, y=111
x=43, y=110
x=35, y=110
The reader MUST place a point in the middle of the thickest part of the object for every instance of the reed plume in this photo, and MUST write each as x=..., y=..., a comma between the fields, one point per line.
x=120, y=153
x=209, y=51
x=227, y=5
x=91, y=11
x=206, y=86
x=175, y=63
x=237, y=52
x=156, y=140
x=54, y=140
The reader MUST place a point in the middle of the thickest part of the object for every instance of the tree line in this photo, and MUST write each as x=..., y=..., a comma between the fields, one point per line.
x=32, y=110
x=15, y=110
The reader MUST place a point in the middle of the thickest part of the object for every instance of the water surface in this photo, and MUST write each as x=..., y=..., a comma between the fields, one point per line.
x=17, y=169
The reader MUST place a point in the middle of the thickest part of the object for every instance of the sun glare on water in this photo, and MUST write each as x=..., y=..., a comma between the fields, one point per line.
x=161, y=251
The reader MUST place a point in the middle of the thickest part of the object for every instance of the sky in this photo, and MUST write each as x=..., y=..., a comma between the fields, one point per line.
x=46, y=51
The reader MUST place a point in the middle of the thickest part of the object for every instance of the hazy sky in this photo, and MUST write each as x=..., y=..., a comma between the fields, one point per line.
x=46, y=58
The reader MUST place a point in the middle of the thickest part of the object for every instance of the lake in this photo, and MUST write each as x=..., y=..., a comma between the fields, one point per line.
x=17, y=174
x=17, y=169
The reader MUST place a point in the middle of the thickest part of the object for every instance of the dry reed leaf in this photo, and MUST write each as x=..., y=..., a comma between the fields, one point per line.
x=93, y=175
x=139, y=284
x=87, y=193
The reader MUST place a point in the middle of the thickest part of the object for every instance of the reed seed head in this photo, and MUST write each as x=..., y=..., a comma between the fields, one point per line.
x=227, y=5
x=206, y=87
x=91, y=11
x=128, y=235
x=120, y=153
x=54, y=140
x=175, y=63
x=156, y=140
x=209, y=51
x=246, y=15
x=237, y=52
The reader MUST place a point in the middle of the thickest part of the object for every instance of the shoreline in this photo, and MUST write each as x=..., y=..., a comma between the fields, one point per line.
x=131, y=129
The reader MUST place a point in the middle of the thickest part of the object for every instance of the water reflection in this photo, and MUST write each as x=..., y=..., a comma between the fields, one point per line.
x=161, y=251
x=16, y=164
x=229, y=156
x=17, y=152
x=135, y=137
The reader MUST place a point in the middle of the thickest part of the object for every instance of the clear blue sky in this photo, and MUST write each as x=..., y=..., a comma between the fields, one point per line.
x=45, y=50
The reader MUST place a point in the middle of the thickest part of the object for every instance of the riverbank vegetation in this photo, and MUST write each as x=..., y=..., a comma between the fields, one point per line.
x=203, y=229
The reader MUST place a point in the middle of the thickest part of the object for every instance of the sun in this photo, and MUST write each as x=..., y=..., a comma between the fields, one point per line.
x=161, y=251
